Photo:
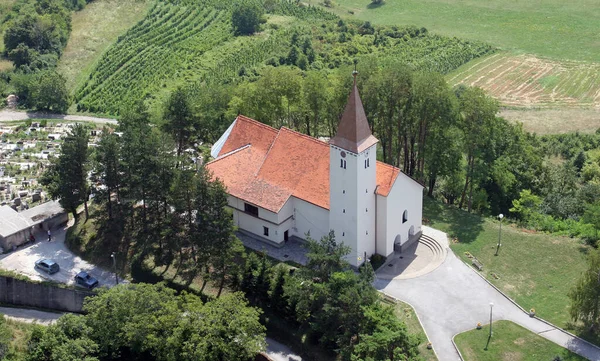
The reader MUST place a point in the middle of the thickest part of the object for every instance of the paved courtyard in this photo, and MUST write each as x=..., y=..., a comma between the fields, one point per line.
x=452, y=299
x=23, y=261
x=293, y=250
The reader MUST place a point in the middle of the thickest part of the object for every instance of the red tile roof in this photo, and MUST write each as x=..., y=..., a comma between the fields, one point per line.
x=265, y=167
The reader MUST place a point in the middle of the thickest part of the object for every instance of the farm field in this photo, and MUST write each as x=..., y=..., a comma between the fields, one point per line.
x=555, y=121
x=529, y=81
x=192, y=42
x=551, y=28
x=95, y=28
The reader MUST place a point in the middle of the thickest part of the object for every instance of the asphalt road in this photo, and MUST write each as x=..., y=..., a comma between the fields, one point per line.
x=7, y=115
x=454, y=298
x=23, y=261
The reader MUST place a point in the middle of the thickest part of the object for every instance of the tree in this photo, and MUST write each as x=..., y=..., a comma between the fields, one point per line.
x=66, y=178
x=383, y=337
x=67, y=340
x=325, y=257
x=107, y=165
x=526, y=205
x=585, y=295
x=225, y=329
x=478, y=116
x=592, y=216
x=51, y=93
x=179, y=119
x=245, y=17
x=144, y=321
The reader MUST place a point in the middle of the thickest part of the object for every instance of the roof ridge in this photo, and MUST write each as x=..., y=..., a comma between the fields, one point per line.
x=304, y=136
x=267, y=154
x=256, y=122
x=387, y=165
x=229, y=154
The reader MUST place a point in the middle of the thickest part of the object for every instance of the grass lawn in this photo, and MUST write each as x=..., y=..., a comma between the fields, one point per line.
x=509, y=342
x=407, y=314
x=552, y=28
x=536, y=270
x=95, y=28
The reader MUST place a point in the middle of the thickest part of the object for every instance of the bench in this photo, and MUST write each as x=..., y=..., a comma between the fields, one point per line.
x=477, y=264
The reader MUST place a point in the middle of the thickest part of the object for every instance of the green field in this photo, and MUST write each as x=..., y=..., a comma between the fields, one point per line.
x=95, y=28
x=551, y=28
x=536, y=270
x=509, y=342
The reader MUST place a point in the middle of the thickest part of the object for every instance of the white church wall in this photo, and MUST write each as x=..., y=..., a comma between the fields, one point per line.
x=256, y=225
x=406, y=195
x=310, y=218
x=382, y=244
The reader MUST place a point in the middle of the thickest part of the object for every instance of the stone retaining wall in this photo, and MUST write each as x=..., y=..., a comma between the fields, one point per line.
x=41, y=295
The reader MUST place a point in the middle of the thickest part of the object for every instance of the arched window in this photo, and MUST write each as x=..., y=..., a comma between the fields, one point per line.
x=405, y=216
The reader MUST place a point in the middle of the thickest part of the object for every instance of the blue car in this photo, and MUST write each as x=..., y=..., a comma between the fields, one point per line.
x=84, y=279
x=47, y=265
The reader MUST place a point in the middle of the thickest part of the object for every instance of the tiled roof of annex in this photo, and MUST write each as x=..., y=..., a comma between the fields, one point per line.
x=265, y=166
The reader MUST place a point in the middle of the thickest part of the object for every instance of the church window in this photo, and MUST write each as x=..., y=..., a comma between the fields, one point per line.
x=367, y=210
x=367, y=233
x=344, y=210
x=343, y=163
x=344, y=191
x=343, y=234
x=266, y=231
x=368, y=162
x=405, y=216
x=250, y=209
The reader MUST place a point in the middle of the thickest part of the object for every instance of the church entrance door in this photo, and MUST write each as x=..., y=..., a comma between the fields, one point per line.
x=285, y=236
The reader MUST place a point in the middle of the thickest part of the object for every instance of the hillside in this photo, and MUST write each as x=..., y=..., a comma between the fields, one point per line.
x=181, y=43
x=96, y=28
x=565, y=30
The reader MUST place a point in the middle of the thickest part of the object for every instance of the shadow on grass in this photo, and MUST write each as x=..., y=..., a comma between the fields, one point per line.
x=373, y=5
x=456, y=222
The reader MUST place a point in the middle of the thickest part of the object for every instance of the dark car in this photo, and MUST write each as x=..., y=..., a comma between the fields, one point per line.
x=47, y=265
x=84, y=279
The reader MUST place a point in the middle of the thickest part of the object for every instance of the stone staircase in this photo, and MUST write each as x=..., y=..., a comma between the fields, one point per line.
x=427, y=255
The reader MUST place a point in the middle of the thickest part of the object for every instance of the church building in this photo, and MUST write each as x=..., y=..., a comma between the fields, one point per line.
x=282, y=183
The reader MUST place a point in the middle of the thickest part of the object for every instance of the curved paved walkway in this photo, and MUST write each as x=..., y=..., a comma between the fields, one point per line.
x=7, y=115
x=453, y=298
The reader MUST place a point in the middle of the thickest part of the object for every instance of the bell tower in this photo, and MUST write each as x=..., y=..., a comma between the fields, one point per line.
x=352, y=178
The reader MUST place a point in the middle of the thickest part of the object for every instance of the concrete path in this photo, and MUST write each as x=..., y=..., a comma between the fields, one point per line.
x=7, y=115
x=279, y=352
x=30, y=316
x=453, y=299
x=23, y=261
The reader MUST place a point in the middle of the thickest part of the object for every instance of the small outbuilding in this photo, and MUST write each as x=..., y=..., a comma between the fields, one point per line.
x=17, y=227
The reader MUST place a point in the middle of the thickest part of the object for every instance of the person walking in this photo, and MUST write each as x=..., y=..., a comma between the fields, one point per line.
x=49, y=236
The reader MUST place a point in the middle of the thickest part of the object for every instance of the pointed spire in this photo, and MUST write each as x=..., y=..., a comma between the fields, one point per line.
x=353, y=133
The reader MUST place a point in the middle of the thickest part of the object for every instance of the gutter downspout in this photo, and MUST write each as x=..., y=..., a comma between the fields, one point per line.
x=375, y=193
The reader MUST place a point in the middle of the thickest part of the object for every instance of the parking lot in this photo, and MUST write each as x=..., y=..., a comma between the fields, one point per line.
x=23, y=261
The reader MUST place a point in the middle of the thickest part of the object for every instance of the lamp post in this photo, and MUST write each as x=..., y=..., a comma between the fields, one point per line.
x=491, y=308
x=499, y=233
x=114, y=259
